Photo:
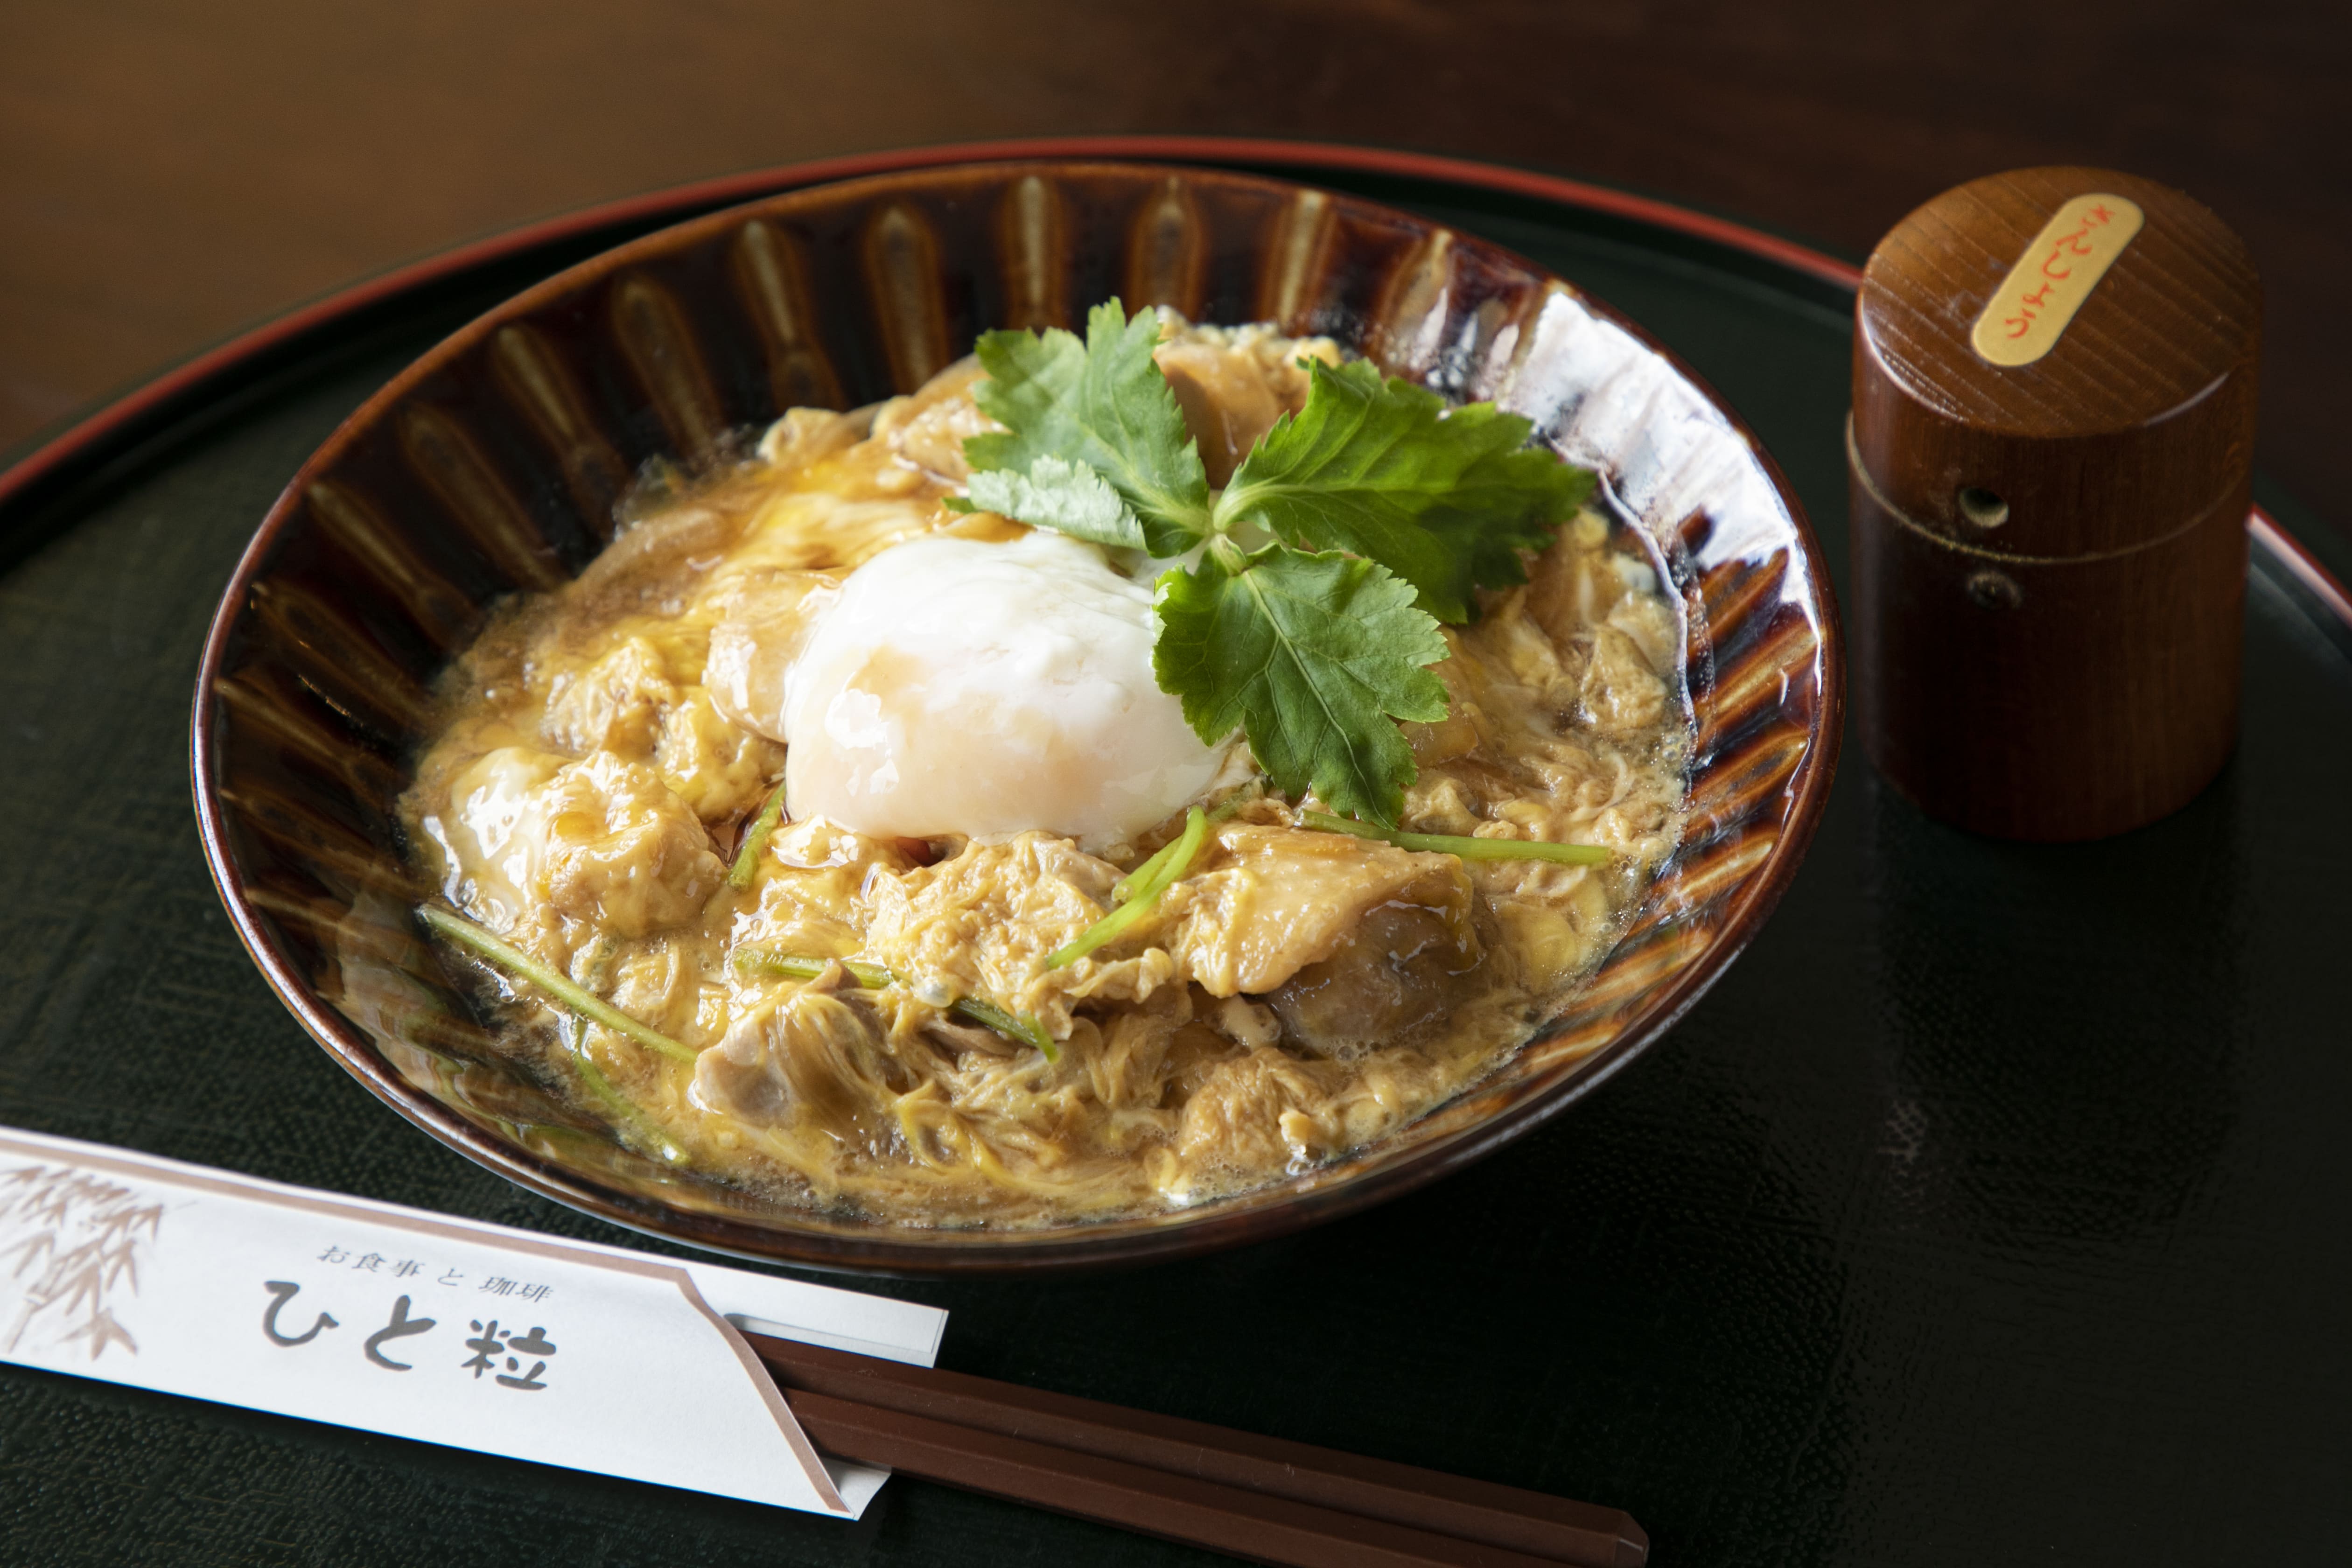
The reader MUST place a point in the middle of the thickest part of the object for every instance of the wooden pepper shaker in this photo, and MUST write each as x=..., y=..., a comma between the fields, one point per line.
x=2050, y=446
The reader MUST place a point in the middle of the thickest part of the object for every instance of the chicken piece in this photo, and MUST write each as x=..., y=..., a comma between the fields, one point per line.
x=529, y=838
x=983, y=923
x=1273, y=900
x=1232, y=386
x=1235, y=1116
x=765, y=620
x=813, y=1058
x=1196, y=1051
x=621, y=850
x=1574, y=588
x=927, y=431
x=491, y=839
x=615, y=705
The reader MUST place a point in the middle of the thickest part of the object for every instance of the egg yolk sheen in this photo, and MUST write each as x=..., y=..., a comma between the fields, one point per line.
x=957, y=686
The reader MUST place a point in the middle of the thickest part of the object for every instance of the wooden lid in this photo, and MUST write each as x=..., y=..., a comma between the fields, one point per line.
x=2057, y=363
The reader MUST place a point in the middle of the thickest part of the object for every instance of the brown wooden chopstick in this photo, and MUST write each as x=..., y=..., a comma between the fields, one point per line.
x=1408, y=1508
x=1253, y=1525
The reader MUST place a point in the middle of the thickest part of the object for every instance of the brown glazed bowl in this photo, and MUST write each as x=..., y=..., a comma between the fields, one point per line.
x=492, y=465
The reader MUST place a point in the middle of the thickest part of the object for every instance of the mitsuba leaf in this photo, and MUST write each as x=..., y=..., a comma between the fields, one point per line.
x=1102, y=403
x=1387, y=508
x=1310, y=656
x=1381, y=468
x=1508, y=501
x=1068, y=496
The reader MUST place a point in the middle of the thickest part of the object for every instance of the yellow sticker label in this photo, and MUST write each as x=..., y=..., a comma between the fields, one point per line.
x=2027, y=316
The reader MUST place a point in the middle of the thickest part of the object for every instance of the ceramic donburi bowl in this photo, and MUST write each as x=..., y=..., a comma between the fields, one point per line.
x=491, y=466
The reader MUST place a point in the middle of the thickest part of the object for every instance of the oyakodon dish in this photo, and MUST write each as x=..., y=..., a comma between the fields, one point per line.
x=1039, y=905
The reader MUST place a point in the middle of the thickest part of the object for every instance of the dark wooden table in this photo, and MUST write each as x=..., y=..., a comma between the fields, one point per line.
x=174, y=170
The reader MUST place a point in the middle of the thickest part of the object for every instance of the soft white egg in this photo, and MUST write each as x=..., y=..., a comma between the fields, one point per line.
x=957, y=686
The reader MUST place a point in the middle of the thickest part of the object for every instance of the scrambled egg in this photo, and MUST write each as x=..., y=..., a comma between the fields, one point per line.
x=1297, y=994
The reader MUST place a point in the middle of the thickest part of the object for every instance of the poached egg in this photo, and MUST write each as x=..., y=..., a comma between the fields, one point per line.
x=956, y=686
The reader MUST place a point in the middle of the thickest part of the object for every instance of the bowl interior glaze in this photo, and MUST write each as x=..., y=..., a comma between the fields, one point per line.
x=493, y=464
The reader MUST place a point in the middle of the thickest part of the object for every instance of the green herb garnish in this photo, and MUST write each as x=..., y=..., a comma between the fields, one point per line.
x=1094, y=443
x=803, y=966
x=1138, y=891
x=1385, y=509
x=755, y=840
x=619, y=1106
x=1125, y=889
x=1020, y=1029
x=1466, y=849
x=559, y=988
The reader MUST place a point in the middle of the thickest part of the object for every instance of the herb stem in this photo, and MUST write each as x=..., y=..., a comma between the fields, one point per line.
x=755, y=840
x=1463, y=848
x=1138, y=891
x=803, y=966
x=1233, y=803
x=1020, y=1029
x=1128, y=886
x=570, y=998
x=622, y=1108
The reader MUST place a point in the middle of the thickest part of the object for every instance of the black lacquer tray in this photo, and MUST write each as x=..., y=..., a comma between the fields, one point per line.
x=1989, y=1210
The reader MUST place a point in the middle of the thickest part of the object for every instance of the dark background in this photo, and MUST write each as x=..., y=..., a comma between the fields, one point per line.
x=171, y=169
